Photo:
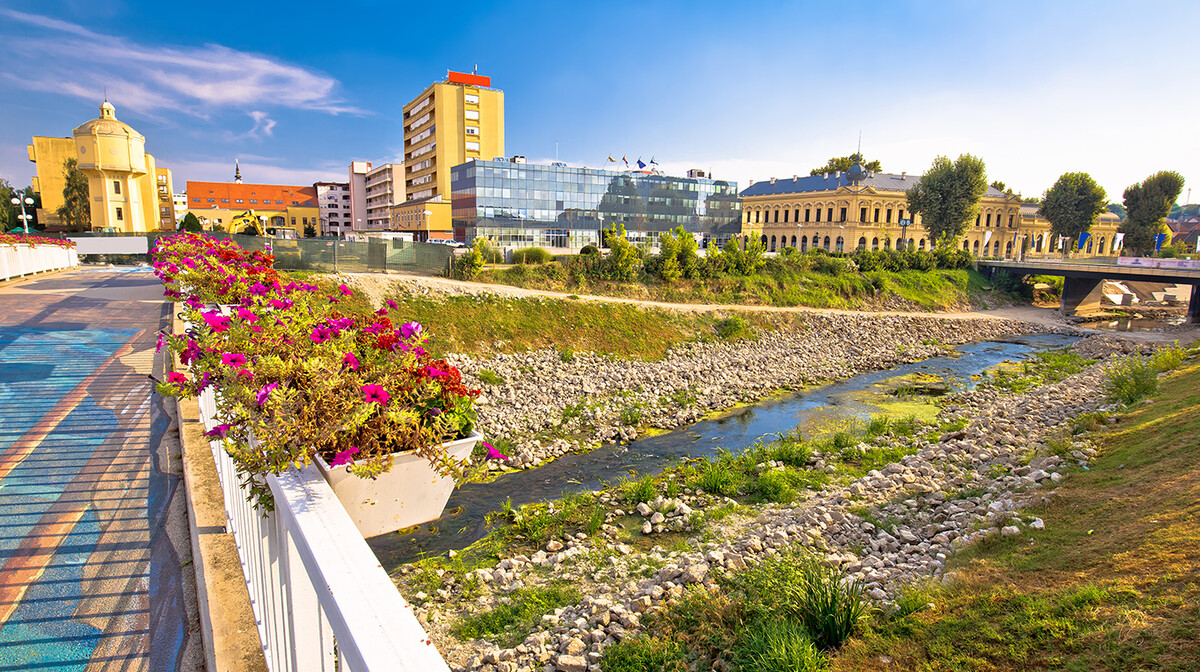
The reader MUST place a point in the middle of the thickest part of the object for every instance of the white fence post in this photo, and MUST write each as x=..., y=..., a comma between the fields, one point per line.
x=22, y=259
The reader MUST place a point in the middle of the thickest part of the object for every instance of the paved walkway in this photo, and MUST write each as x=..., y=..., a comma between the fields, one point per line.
x=94, y=553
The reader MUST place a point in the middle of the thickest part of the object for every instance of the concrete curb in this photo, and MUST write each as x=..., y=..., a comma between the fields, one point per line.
x=228, y=628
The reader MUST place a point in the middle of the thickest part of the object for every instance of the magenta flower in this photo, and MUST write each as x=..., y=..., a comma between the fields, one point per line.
x=158, y=345
x=410, y=329
x=345, y=290
x=390, y=304
x=375, y=393
x=434, y=372
x=176, y=377
x=193, y=303
x=234, y=359
x=344, y=457
x=319, y=334
x=247, y=315
x=245, y=373
x=350, y=361
x=264, y=392
x=218, y=432
x=494, y=454
x=216, y=321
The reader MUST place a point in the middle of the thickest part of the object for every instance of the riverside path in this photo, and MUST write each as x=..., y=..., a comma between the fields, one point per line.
x=94, y=551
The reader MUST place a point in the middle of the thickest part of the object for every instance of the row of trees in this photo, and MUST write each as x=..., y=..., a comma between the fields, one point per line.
x=948, y=197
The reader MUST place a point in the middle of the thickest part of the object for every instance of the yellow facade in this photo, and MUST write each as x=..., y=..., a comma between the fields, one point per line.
x=426, y=220
x=164, y=195
x=837, y=214
x=122, y=177
x=48, y=156
x=450, y=123
x=294, y=218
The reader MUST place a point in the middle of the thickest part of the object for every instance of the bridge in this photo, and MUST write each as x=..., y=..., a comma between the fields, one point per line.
x=1081, y=279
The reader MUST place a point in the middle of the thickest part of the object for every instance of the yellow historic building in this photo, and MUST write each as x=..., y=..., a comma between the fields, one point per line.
x=853, y=210
x=128, y=192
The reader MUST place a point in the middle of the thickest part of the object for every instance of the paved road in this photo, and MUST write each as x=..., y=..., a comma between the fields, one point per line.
x=94, y=554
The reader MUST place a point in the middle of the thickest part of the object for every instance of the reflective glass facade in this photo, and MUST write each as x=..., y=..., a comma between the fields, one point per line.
x=522, y=204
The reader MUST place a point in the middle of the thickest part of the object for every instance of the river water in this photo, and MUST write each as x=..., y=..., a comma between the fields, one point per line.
x=857, y=397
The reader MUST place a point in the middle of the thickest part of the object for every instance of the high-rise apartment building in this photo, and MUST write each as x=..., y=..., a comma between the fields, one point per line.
x=384, y=189
x=333, y=202
x=451, y=122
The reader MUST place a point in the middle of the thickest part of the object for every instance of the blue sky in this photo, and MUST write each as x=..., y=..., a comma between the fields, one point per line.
x=751, y=90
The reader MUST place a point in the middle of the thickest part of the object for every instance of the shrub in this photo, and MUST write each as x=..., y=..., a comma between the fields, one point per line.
x=1134, y=378
x=631, y=415
x=510, y=621
x=777, y=646
x=589, y=250
x=719, y=477
x=734, y=327
x=490, y=253
x=641, y=653
x=642, y=490
x=531, y=255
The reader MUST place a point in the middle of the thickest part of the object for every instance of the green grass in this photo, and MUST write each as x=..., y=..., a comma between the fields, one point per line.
x=490, y=377
x=516, y=616
x=1043, y=368
x=1134, y=378
x=1112, y=582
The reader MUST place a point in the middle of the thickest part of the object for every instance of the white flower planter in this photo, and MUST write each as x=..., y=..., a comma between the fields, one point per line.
x=408, y=494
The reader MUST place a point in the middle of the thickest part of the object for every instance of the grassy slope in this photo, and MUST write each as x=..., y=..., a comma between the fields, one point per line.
x=1112, y=583
x=931, y=290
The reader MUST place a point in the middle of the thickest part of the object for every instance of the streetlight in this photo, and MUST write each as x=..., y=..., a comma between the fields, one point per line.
x=428, y=213
x=16, y=200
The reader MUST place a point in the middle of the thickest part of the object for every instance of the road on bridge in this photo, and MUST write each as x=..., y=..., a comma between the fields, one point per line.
x=94, y=550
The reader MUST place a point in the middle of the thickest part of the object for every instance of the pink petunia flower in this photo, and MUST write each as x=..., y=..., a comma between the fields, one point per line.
x=218, y=432
x=350, y=361
x=494, y=454
x=375, y=393
x=345, y=290
x=158, y=345
x=176, y=377
x=344, y=457
x=410, y=329
x=234, y=359
x=216, y=321
x=264, y=393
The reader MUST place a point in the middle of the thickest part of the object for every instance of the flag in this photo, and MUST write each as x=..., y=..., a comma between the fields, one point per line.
x=625, y=161
x=1117, y=240
x=653, y=162
x=1083, y=239
x=640, y=163
x=1062, y=241
x=1159, y=240
x=610, y=159
x=987, y=236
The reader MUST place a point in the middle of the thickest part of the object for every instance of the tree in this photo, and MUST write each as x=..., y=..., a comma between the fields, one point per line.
x=310, y=231
x=689, y=260
x=76, y=210
x=947, y=196
x=10, y=213
x=1033, y=200
x=1000, y=186
x=668, y=261
x=840, y=164
x=191, y=223
x=1073, y=204
x=1117, y=209
x=1146, y=206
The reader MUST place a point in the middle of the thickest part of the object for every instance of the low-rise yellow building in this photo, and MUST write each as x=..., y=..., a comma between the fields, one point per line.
x=853, y=210
x=123, y=180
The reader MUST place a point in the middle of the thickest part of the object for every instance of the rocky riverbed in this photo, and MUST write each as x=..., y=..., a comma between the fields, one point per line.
x=588, y=398
x=890, y=527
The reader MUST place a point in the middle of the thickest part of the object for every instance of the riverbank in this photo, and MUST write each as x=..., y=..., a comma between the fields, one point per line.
x=945, y=486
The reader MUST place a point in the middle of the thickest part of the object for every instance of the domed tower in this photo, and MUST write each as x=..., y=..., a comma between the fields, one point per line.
x=856, y=174
x=120, y=173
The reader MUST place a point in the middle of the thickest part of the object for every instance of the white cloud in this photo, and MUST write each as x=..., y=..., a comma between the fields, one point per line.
x=263, y=124
x=67, y=58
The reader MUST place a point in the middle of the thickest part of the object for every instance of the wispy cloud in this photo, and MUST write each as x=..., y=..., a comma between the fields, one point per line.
x=263, y=124
x=68, y=58
x=256, y=170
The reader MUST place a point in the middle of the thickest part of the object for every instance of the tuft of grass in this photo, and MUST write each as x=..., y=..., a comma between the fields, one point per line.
x=517, y=615
x=734, y=328
x=1043, y=368
x=641, y=653
x=641, y=490
x=1134, y=378
x=489, y=377
x=778, y=646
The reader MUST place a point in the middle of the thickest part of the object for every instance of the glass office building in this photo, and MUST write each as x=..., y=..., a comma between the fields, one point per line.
x=517, y=204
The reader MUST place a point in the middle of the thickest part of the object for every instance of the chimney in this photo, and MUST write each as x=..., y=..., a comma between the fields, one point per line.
x=752, y=183
x=904, y=174
x=795, y=177
x=772, y=180
x=837, y=175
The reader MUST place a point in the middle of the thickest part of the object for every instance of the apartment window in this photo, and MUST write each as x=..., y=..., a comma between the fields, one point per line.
x=842, y=212
x=254, y=200
x=901, y=215
x=195, y=200
x=471, y=98
x=212, y=200
x=472, y=114
x=989, y=220
x=797, y=217
x=293, y=221
x=977, y=219
x=785, y=216
x=238, y=200
x=472, y=130
x=472, y=146
x=889, y=216
x=117, y=187
x=807, y=213
x=1010, y=221
x=862, y=214
x=224, y=200
x=819, y=213
x=876, y=215
x=120, y=215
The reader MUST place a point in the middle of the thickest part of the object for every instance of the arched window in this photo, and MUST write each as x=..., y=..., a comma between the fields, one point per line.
x=827, y=238
x=1101, y=247
x=773, y=242
x=1089, y=250
x=996, y=248
x=764, y=240
x=977, y=248
x=1008, y=249
x=803, y=243
x=1039, y=243
x=921, y=245
x=966, y=246
x=840, y=245
x=862, y=243
x=793, y=241
x=874, y=244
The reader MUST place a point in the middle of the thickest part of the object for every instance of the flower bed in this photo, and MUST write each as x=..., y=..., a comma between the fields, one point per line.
x=34, y=241
x=299, y=370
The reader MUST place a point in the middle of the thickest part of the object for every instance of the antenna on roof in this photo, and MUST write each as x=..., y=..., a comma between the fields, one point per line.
x=860, y=156
x=106, y=94
x=476, y=70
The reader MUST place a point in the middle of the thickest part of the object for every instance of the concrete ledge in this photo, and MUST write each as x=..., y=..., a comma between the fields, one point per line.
x=229, y=631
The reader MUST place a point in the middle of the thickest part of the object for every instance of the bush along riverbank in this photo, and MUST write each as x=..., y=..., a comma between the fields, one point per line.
x=816, y=542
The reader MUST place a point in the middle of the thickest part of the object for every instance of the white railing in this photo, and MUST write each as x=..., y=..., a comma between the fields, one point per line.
x=321, y=599
x=23, y=259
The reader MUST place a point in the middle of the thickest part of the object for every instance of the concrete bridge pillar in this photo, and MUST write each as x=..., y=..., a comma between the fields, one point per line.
x=1083, y=294
x=1193, y=315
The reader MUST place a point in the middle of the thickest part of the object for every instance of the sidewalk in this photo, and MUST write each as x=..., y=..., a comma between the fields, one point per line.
x=94, y=546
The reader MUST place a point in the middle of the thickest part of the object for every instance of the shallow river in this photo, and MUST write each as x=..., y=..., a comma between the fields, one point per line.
x=854, y=398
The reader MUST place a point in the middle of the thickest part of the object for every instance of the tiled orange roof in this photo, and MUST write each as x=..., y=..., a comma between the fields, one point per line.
x=249, y=196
